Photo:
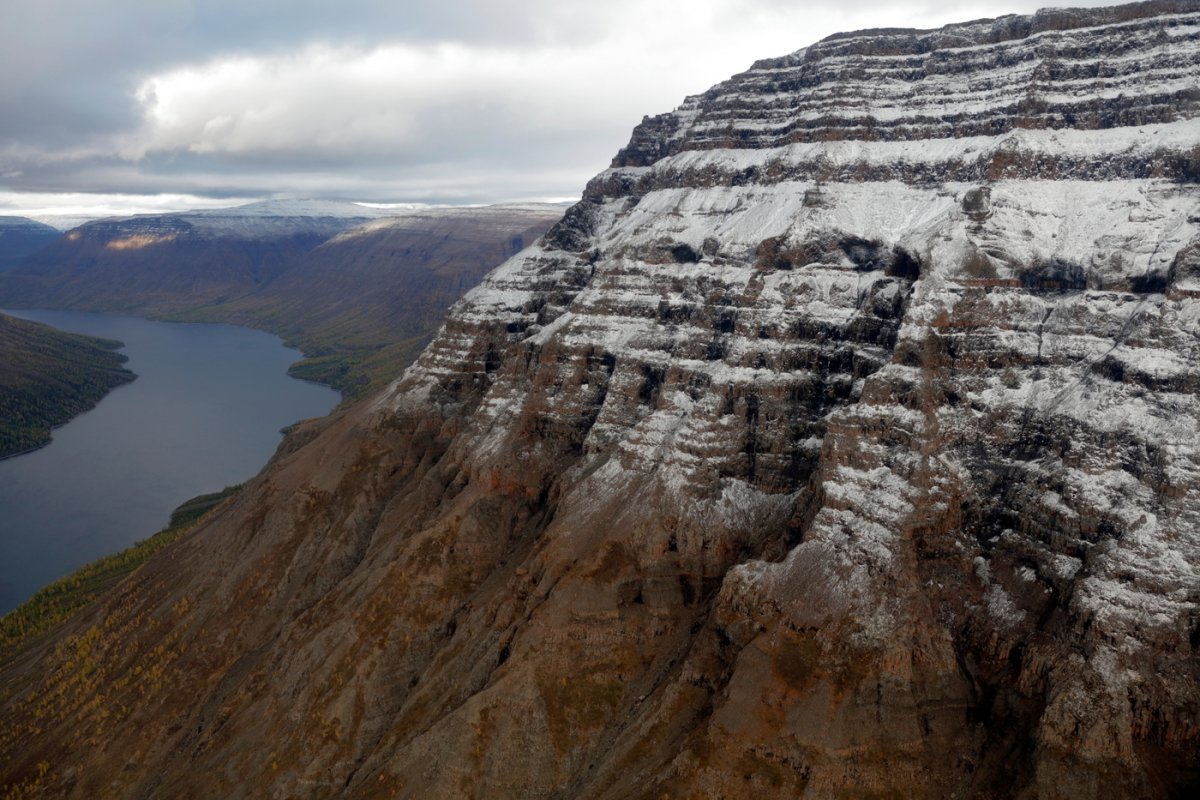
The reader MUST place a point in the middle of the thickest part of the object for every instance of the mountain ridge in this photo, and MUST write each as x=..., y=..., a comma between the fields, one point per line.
x=20, y=237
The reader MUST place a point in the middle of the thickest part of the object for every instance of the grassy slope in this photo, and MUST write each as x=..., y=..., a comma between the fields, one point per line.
x=58, y=602
x=47, y=377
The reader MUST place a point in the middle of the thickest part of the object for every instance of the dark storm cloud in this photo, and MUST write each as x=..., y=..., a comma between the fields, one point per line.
x=467, y=100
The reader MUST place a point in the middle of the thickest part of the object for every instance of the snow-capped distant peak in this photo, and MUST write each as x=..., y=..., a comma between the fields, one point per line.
x=296, y=208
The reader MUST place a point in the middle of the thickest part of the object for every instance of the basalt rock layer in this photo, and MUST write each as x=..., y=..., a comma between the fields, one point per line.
x=842, y=442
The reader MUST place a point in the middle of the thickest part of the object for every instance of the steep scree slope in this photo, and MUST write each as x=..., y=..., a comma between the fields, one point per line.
x=842, y=442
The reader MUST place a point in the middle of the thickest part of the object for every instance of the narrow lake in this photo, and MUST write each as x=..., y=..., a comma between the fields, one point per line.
x=205, y=412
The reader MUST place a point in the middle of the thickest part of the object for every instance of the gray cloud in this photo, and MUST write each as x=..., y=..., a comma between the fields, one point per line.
x=447, y=100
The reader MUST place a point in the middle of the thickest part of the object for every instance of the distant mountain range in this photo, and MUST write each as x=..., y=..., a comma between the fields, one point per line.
x=21, y=237
x=160, y=263
x=360, y=289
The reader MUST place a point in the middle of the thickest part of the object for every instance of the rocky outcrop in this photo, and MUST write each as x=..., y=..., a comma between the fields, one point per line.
x=1059, y=69
x=748, y=480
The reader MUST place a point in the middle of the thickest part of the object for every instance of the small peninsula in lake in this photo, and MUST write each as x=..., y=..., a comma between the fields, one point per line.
x=48, y=376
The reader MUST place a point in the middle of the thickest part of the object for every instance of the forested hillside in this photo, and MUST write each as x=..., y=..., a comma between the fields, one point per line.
x=47, y=377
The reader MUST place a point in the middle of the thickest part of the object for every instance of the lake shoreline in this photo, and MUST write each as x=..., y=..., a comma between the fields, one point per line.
x=207, y=410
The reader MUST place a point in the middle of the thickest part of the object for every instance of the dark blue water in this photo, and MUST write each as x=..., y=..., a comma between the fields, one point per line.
x=205, y=412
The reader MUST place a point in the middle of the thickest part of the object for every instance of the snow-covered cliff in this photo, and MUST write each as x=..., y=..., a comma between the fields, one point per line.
x=843, y=441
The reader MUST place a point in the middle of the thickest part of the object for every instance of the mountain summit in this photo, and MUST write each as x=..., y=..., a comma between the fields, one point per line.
x=843, y=441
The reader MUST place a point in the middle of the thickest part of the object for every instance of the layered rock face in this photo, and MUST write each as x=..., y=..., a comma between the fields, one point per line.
x=842, y=442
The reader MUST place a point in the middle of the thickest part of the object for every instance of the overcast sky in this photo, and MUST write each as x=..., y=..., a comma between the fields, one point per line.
x=140, y=105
